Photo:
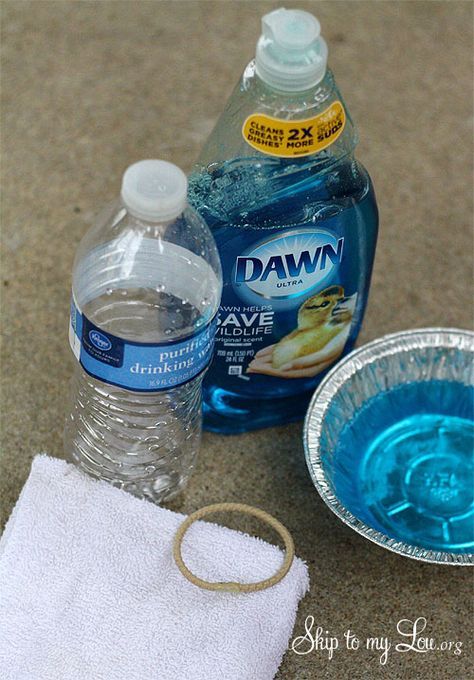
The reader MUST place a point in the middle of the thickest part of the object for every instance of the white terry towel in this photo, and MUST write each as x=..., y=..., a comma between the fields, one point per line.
x=89, y=590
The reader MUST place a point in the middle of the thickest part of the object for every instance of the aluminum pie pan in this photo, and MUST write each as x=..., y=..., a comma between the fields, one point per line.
x=410, y=343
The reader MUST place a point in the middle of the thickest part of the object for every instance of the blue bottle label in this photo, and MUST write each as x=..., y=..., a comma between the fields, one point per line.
x=291, y=307
x=140, y=367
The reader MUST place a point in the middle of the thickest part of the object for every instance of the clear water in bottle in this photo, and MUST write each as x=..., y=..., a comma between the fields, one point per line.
x=146, y=289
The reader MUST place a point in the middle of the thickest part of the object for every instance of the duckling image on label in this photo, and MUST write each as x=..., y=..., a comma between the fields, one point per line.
x=320, y=319
x=324, y=323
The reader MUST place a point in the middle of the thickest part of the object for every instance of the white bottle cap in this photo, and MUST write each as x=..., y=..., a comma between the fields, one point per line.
x=154, y=190
x=291, y=54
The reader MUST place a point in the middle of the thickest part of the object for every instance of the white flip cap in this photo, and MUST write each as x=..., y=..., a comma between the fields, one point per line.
x=154, y=190
x=291, y=54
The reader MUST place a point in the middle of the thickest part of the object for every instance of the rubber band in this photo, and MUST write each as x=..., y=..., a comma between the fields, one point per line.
x=231, y=586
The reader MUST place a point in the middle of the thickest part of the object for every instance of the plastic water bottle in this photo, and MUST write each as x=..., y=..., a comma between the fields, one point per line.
x=146, y=289
x=295, y=220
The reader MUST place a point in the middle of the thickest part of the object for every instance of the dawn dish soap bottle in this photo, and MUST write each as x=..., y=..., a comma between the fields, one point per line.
x=295, y=220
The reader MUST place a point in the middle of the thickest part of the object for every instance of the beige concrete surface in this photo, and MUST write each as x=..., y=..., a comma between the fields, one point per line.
x=89, y=87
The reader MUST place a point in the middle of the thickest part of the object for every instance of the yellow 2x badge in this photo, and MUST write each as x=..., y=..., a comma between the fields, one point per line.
x=290, y=138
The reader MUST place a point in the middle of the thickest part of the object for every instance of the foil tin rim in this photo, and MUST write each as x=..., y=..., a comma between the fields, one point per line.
x=393, y=343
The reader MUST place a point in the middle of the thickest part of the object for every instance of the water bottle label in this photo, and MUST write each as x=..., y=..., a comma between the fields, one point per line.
x=140, y=367
x=291, y=138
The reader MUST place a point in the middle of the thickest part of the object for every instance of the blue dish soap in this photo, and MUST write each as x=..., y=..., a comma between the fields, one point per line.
x=295, y=220
x=405, y=464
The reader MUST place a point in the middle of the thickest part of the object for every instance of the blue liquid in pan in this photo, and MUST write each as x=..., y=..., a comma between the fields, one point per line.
x=405, y=465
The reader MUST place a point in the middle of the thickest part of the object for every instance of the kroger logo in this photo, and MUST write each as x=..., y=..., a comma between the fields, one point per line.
x=100, y=340
x=289, y=265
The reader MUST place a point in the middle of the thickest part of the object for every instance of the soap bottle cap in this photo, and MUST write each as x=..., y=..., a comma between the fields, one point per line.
x=291, y=54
